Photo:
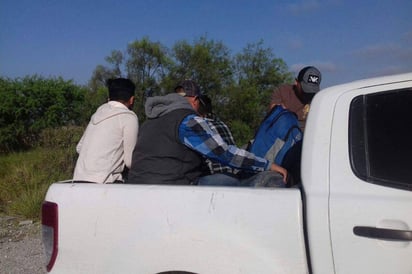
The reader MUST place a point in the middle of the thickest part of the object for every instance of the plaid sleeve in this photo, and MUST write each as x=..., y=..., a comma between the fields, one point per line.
x=195, y=132
x=222, y=129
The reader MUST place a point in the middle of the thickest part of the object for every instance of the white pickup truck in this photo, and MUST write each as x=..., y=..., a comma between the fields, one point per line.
x=352, y=214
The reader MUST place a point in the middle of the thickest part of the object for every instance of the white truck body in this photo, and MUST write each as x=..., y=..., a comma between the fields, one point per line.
x=337, y=222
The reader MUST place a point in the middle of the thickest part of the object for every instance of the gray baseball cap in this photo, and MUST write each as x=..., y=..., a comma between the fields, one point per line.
x=190, y=88
x=310, y=78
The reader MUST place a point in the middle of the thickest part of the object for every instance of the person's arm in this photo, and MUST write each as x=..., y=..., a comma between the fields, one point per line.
x=224, y=131
x=195, y=133
x=130, y=131
x=282, y=171
x=80, y=143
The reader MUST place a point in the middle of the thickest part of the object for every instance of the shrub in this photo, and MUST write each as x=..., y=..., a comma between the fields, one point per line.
x=32, y=104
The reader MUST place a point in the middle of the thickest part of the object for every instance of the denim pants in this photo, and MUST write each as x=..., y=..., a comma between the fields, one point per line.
x=261, y=179
x=264, y=179
x=218, y=179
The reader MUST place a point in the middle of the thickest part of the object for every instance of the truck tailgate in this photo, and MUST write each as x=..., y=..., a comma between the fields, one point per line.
x=152, y=229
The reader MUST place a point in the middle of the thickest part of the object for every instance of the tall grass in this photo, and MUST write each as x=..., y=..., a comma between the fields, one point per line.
x=25, y=176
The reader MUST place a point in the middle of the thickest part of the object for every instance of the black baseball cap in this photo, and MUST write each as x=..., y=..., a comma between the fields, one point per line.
x=309, y=78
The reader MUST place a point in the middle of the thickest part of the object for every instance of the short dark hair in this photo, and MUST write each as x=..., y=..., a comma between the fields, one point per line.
x=120, y=89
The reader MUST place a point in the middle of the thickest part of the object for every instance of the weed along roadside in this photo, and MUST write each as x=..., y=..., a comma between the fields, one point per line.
x=25, y=176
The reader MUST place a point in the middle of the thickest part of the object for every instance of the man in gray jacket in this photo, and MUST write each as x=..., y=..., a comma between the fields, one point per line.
x=174, y=140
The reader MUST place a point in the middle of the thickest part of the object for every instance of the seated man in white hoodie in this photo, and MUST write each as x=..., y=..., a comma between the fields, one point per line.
x=106, y=147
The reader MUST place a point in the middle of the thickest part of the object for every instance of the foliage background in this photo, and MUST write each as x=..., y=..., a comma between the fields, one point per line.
x=42, y=119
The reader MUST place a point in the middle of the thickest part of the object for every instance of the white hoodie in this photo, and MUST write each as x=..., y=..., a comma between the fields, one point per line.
x=107, y=144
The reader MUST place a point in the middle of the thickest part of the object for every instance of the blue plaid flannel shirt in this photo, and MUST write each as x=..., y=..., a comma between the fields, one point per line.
x=196, y=133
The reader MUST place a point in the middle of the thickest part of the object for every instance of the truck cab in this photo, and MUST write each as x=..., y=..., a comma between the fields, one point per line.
x=357, y=177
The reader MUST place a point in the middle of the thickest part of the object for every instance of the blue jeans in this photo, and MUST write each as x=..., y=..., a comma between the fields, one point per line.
x=261, y=179
x=218, y=179
x=264, y=179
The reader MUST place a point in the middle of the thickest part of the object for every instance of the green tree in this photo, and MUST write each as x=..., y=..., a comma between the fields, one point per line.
x=256, y=72
x=33, y=103
x=101, y=73
x=116, y=60
x=147, y=63
x=144, y=62
x=206, y=61
x=258, y=66
x=242, y=112
x=92, y=100
x=239, y=86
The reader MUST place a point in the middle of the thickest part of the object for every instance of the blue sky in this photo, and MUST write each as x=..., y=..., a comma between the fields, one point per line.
x=346, y=40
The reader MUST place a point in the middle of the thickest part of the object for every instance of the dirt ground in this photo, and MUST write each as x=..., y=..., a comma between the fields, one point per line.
x=21, y=248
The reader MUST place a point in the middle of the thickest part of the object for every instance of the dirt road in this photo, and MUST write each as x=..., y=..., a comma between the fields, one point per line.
x=21, y=249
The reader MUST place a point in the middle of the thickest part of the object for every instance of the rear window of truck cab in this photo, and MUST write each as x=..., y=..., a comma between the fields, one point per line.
x=380, y=138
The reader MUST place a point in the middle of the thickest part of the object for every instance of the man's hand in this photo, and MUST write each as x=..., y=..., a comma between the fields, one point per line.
x=282, y=171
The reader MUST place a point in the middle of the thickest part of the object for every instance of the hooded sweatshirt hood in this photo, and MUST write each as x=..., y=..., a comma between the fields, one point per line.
x=109, y=110
x=158, y=106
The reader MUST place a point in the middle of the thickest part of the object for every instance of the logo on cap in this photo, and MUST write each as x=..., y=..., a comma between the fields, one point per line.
x=314, y=79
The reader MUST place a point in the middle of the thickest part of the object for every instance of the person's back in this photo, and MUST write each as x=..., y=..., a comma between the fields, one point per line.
x=278, y=139
x=159, y=157
x=106, y=146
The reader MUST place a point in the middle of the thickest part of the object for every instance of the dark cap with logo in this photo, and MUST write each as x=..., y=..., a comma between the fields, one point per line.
x=188, y=88
x=310, y=78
